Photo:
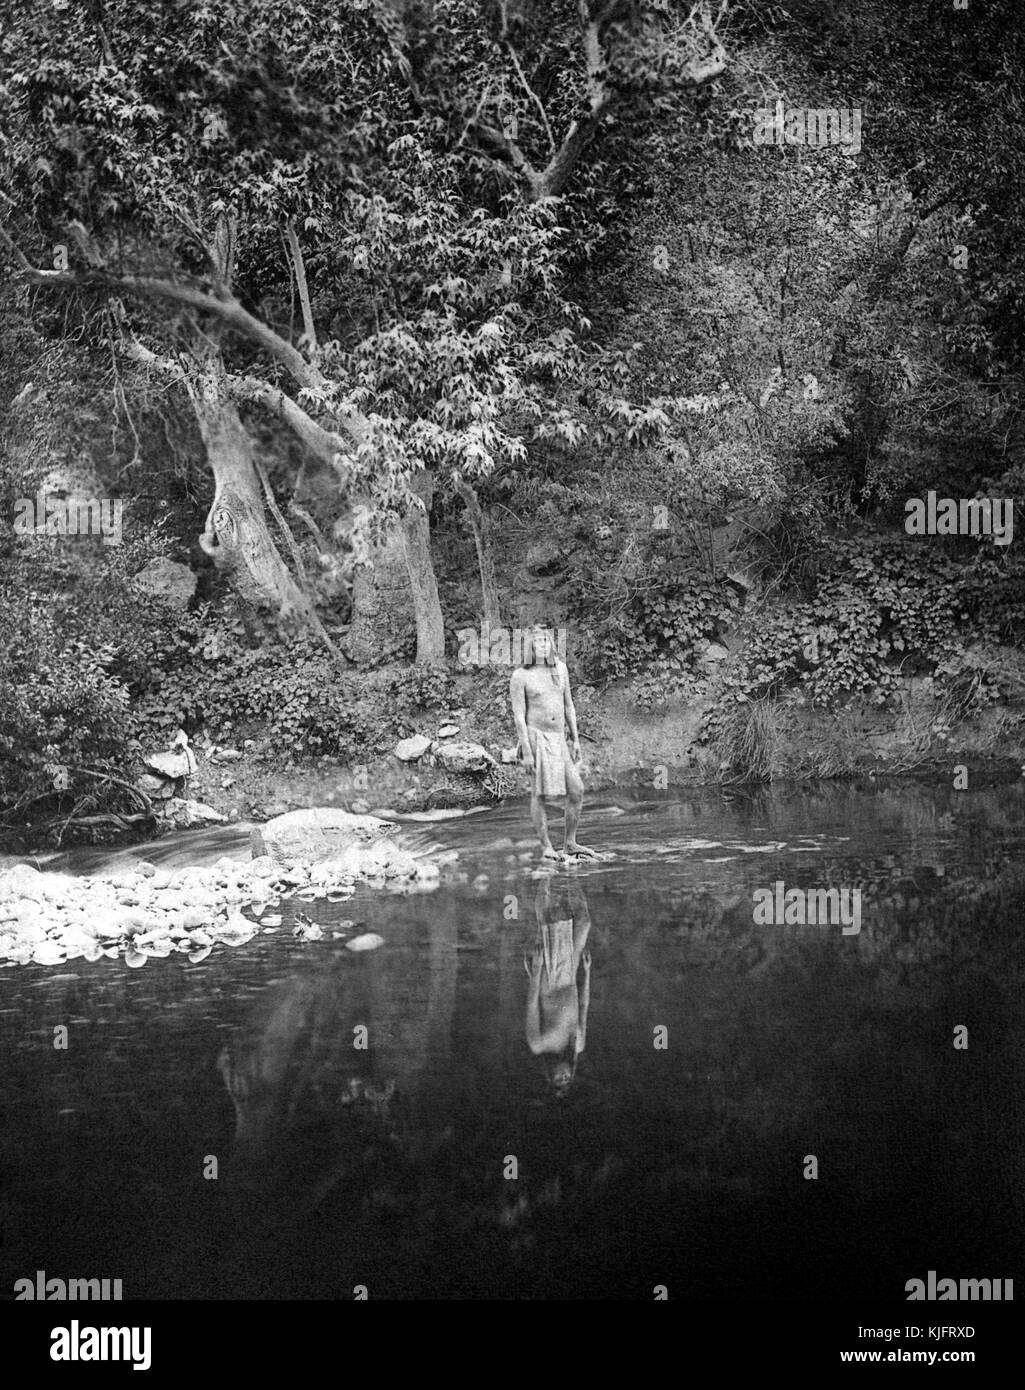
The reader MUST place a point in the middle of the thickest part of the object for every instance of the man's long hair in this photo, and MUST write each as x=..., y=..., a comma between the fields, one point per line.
x=552, y=658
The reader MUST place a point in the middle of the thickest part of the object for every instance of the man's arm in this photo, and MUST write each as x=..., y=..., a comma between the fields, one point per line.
x=580, y=1042
x=518, y=700
x=571, y=714
x=533, y=1021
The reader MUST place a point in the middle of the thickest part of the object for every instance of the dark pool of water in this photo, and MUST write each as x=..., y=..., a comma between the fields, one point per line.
x=684, y=1165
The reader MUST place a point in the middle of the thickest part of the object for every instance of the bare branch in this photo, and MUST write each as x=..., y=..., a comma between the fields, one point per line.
x=474, y=120
x=317, y=533
x=225, y=246
x=286, y=530
x=512, y=152
x=224, y=307
x=139, y=352
x=552, y=179
x=324, y=444
x=593, y=57
x=533, y=97
x=14, y=249
x=299, y=266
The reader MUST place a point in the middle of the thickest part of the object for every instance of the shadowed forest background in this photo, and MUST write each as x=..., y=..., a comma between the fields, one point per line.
x=383, y=319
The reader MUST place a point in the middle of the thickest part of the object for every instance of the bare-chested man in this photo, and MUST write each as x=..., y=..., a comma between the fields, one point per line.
x=542, y=707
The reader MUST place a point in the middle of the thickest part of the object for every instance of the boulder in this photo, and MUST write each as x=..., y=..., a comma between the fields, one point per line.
x=407, y=750
x=167, y=580
x=465, y=757
x=21, y=881
x=48, y=953
x=74, y=942
x=29, y=932
x=320, y=832
x=180, y=763
x=710, y=655
x=183, y=815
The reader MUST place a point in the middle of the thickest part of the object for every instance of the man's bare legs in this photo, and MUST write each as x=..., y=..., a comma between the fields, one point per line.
x=540, y=821
x=574, y=805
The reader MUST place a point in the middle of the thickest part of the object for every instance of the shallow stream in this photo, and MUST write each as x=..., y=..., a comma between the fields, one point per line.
x=448, y=1159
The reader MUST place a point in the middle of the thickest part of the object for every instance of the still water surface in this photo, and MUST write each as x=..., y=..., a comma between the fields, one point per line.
x=682, y=1165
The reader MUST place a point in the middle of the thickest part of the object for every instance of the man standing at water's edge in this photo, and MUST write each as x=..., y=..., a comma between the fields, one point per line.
x=542, y=707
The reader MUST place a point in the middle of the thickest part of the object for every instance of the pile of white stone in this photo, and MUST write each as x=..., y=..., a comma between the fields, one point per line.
x=50, y=918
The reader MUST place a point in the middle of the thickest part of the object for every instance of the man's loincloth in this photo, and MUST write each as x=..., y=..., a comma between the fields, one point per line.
x=556, y=944
x=551, y=756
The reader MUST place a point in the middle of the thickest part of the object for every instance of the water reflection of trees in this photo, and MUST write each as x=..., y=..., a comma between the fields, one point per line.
x=316, y=1111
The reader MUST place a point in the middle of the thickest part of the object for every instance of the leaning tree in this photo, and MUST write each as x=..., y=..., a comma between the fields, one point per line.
x=357, y=222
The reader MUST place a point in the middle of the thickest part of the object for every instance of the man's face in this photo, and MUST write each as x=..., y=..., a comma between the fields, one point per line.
x=541, y=643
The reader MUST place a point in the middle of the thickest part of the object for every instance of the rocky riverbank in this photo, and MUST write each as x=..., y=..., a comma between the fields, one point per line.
x=464, y=764
x=142, y=913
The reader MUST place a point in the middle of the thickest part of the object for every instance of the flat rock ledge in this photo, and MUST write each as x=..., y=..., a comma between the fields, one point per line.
x=50, y=918
x=316, y=833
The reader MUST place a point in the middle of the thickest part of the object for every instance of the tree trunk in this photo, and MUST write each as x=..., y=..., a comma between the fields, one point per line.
x=397, y=590
x=485, y=555
x=382, y=610
x=236, y=535
x=416, y=534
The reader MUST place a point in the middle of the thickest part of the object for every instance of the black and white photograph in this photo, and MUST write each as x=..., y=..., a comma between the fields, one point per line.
x=512, y=673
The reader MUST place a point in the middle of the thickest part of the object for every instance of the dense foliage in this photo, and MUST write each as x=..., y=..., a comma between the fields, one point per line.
x=517, y=269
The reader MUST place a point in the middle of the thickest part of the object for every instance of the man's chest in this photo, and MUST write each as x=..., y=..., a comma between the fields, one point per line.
x=541, y=692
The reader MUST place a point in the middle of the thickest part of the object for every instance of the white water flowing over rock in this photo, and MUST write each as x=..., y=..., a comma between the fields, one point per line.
x=316, y=833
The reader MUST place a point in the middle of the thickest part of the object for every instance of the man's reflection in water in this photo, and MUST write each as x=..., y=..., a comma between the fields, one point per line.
x=559, y=970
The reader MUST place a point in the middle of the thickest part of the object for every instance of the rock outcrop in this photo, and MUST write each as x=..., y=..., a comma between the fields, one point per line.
x=464, y=757
x=167, y=580
x=321, y=832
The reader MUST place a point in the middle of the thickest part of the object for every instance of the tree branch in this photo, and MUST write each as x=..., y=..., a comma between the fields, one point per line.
x=286, y=530
x=600, y=95
x=299, y=266
x=225, y=307
x=532, y=95
x=511, y=151
x=324, y=444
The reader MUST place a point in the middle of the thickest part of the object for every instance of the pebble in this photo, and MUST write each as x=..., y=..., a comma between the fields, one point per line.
x=48, y=953
x=369, y=941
